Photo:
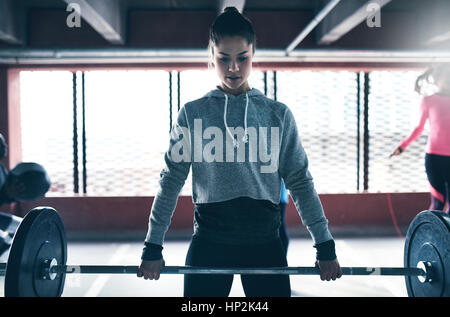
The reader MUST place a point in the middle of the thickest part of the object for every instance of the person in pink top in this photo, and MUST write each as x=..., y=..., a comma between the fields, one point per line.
x=436, y=109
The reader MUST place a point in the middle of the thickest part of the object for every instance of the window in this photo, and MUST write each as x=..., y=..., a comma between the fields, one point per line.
x=47, y=124
x=393, y=113
x=127, y=131
x=128, y=116
x=325, y=108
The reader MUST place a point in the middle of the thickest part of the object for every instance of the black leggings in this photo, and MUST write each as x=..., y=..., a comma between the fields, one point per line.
x=203, y=252
x=438, y=173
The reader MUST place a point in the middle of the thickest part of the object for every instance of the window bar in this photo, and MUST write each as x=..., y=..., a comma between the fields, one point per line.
x=178, y=91
x=358, y=128
x=83, y=133
x=75, y=134
x=170, y=101
x=366, y=131
x=265, y=83
x=275, y=85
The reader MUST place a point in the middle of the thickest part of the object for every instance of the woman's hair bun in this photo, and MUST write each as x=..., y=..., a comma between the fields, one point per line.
x=231, y=23
x=231, y=9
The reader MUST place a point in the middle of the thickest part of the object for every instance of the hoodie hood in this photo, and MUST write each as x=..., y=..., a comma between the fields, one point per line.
x=221, y=94
x=247, y=94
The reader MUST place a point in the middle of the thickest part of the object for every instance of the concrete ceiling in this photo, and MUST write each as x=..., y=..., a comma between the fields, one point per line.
x=284, y=26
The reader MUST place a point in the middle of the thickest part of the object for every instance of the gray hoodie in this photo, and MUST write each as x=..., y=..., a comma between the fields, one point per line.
x=236, y=146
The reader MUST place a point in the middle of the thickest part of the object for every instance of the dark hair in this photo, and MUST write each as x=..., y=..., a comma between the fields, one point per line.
x=423, y=79
x=430, y=76
x=231, y=23
x=35, y=179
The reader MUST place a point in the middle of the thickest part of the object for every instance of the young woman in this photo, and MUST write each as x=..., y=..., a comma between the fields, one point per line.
x=236, y=182
x=436, y=109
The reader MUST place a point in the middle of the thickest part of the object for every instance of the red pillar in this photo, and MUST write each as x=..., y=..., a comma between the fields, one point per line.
x=10, y=115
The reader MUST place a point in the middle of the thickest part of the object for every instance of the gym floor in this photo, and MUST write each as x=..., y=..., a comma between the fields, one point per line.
x=379, y=251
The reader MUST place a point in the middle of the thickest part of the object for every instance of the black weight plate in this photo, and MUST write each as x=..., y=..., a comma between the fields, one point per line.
x=40, y=236
x=428, y=239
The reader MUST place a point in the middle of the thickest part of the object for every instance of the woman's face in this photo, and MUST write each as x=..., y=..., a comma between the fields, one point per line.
x=233, y=63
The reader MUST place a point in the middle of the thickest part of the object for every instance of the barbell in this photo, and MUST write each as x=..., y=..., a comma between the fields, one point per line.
x=36, y=265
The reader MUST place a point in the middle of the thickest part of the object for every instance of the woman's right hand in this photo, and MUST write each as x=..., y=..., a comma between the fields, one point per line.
x=150, y=270
x=397, y=151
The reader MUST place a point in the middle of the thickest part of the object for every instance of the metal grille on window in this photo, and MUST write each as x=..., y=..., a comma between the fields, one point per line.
x=393, y=113
x=47, y=125
x=128, y=119
x=324, y=106
x=126, y=131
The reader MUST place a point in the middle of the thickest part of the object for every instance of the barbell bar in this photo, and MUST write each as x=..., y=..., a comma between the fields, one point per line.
x=37, y=261
x=49, y=267
x=111, y=269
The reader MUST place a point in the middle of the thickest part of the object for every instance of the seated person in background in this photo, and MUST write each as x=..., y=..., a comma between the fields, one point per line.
x=3, y=170
x=3, y=147
x=25, y=182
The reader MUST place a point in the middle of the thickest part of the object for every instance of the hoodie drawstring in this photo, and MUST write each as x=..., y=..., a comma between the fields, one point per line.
x=245, y=138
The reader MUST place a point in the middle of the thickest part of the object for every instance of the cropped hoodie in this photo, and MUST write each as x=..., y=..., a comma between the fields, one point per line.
x=236, y=146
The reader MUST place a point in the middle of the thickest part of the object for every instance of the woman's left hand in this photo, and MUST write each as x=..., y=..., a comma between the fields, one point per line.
x=398, y=150
x=329, y=270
